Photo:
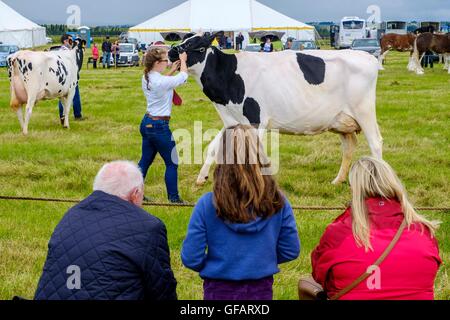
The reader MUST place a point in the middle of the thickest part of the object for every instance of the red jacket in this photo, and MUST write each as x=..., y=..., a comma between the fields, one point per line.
x=407, y=273
x=95, y=52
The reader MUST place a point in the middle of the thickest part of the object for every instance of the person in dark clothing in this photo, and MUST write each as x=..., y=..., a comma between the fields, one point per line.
x=239, y=41
x=267, y=46
x=67, y=43
x=427, y=59
x=106, y=49
x=107, y=247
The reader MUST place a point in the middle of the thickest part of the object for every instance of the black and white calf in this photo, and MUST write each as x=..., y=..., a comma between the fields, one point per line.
x=298, y=93
x=38, y=76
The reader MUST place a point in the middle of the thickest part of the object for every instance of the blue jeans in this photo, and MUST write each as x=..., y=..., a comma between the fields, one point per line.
x=157, y=138
x=76, y=105
x=106, y=59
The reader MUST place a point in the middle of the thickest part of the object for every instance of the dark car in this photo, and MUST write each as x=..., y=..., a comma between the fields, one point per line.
x=371, y=46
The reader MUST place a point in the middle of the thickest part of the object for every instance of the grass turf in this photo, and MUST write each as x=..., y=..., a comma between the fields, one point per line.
x=413, y=113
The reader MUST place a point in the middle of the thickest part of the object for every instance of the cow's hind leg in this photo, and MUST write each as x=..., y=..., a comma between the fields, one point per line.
x=28, y=111
x=348, y=146
x=210, y=156
x=20, y=116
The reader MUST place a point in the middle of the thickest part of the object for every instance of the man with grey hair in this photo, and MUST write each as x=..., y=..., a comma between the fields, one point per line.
x=107, y=247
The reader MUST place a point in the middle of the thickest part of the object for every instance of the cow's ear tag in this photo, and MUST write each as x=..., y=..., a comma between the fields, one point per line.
x=149, y=126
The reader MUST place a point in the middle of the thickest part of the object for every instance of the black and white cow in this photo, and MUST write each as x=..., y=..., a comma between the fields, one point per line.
x=38, y=76
x=305, y=93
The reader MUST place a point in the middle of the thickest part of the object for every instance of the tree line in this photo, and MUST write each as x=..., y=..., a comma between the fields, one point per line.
x=59, y=29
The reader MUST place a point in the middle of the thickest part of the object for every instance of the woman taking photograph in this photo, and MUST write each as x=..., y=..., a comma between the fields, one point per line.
x=356, y=239
x=239, y=233
x=155, y=131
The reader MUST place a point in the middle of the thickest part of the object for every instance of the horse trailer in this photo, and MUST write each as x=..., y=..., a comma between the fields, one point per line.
x=397, y=27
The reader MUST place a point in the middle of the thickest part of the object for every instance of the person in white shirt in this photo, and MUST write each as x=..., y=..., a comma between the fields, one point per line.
x=155, y=131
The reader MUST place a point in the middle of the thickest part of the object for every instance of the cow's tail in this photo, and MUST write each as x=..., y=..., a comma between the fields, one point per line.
x=12, y=70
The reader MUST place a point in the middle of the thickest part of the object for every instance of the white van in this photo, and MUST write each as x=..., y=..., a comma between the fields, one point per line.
x=350, y=28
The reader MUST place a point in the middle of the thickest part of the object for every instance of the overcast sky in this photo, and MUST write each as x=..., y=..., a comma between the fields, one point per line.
x=118, y=12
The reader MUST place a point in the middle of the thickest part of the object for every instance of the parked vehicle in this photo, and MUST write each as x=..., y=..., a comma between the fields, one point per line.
x=49, y=40
x=252, y=47
x=133, y=41
x=350, y=28
x=371, y=46
x=298, y=45
x=5, y=51
x=129, y=55
x=397, y=27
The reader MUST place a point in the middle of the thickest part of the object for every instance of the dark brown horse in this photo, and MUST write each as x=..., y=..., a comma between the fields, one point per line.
x=438, y=43
x=398, y=42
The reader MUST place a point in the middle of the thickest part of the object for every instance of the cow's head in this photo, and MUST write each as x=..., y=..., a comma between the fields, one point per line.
x=195, y=47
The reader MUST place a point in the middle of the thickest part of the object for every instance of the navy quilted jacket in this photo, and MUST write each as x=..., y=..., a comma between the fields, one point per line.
x=120, y=251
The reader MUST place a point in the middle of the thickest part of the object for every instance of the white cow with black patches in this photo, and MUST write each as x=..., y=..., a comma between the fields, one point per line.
x=38, y=76
x=297, y=93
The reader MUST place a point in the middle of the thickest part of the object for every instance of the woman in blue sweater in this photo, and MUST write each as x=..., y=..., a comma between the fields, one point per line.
x=239, y=233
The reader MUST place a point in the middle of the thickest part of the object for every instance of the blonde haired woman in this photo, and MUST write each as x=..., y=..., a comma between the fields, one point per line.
x=357, y=238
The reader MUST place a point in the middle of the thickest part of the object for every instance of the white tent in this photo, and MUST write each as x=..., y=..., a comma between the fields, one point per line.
x=218, y=15
x=18, y=30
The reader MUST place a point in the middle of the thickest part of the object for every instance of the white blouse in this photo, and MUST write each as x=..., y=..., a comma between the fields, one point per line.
x=159, y=92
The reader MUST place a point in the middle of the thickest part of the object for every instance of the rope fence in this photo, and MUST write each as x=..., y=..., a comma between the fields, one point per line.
x=191, y=205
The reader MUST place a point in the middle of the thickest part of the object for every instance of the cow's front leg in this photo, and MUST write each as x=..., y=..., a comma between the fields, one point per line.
x=67, y=103
x=210, y=156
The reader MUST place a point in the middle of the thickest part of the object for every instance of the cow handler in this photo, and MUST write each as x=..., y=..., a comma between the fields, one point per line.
x=67, y=43
x=155, y=131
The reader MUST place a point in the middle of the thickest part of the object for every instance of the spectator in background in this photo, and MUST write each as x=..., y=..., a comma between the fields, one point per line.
x=357, y=238
x=223, y=42
x=229, y=43
x=67, y=44
x=267, y=46
x=106, y=50
x=94, y=54
x=115, y=51
x=107, y=247
x=239, y=41
x=239, y=233
x=427, y=59
x=288, y=44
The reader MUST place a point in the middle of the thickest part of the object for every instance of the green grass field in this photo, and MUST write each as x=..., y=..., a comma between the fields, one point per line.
x=413, y=113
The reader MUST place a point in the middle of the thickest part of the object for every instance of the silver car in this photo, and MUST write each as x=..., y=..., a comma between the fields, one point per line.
x=5, y=51
x=371, y=46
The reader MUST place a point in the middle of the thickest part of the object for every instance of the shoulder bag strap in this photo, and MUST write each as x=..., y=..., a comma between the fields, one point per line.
x=383, y=256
